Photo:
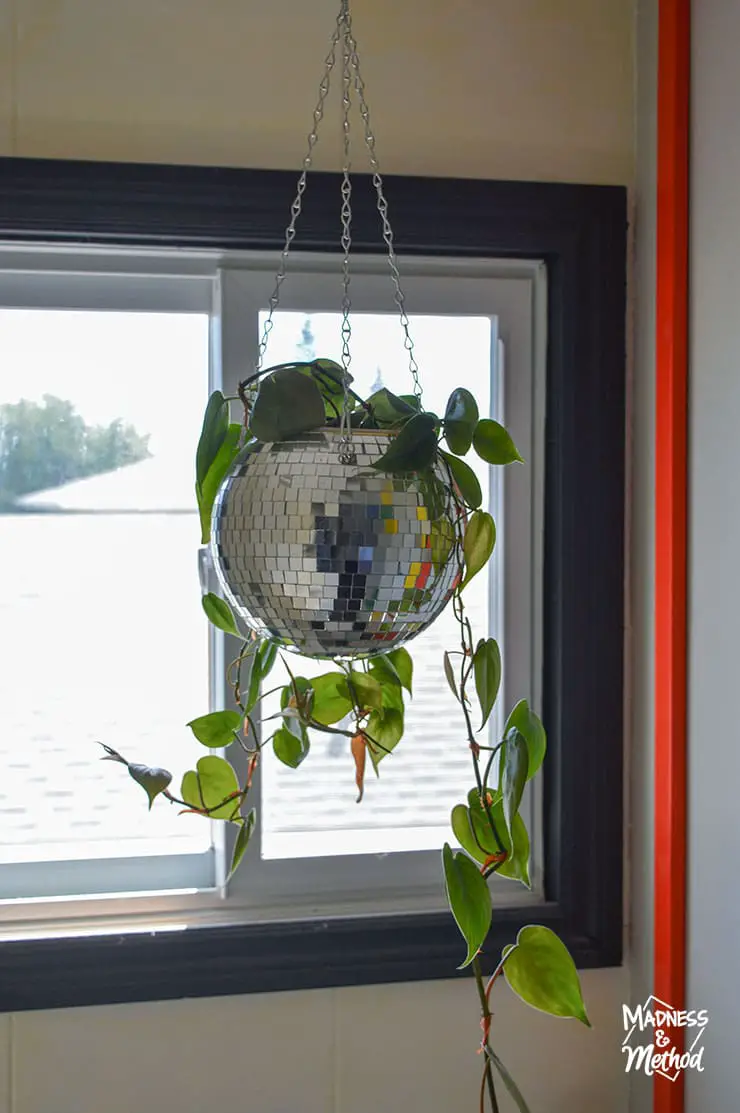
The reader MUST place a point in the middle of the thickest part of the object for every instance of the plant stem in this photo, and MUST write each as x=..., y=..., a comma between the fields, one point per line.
x=486, y=1016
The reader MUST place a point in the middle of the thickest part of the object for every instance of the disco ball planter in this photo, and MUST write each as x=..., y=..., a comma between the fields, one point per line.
x=331, y=559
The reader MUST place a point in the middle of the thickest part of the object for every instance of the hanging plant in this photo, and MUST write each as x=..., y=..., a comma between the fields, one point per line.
x=361, y=697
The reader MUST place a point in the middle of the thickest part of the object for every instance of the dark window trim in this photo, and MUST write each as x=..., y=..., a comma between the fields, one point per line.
x=581, y=233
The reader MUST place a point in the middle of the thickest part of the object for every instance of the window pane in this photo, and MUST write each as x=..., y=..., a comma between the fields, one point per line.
x=312, y=811
x=101, y=630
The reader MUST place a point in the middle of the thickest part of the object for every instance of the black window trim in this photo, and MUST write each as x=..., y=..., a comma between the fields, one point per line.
x=580, y=231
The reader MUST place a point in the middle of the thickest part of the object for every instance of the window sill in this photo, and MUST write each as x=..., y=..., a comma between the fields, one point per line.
x=169, y=963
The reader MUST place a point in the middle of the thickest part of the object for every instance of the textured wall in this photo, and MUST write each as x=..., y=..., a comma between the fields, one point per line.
x=480, y=88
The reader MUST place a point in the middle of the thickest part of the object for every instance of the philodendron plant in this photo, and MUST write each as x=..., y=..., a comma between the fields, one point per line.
x=363, y=700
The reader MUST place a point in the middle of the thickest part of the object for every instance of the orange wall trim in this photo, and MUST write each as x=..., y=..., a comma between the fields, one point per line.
x=671, y=368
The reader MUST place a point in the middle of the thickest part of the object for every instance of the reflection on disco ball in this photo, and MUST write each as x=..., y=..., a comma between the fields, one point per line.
x=331, y=559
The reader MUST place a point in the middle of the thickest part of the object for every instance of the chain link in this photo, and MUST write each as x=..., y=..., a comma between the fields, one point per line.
x=295, y=208
x=346, y=452
x=382, y=203
x=350, y=74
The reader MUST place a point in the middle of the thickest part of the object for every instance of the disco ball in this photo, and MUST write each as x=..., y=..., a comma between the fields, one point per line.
x=330, y=559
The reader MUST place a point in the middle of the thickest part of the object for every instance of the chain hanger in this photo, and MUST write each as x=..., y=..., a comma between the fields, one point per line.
x=351, y=77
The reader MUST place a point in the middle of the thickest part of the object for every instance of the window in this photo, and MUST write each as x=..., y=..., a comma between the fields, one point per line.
x=95, y=480
x=101, y=535
x=531, y=279
x=326, y=854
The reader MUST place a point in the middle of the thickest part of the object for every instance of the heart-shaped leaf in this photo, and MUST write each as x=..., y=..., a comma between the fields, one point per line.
x=207, y=490
x=528, y=724
x=330, y=377
x=514, y=767
x=469, y=899
x=331, y=698
x=213, y=431
x=386, y=728
x=219, y=613
x=414, y=447
x=465, y=479
x=460, y=420
x=152, y=780
x=541, y=972
x=388, y=409
x=288, y=748
x=217, y=729
x=487, y=670
x=404, y=666
x=212, y=787
x=478, y=543
x=493, y=443
x=288, y=403
x=516, y=866
x=367, y=690
x=462, y=829
x=246, y=826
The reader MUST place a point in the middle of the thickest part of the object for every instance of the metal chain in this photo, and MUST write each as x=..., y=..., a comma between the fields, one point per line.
x=295, y=208
x=399, y=296
x=346, y=452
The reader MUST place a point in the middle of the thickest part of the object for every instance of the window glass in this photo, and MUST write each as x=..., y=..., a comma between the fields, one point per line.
x=102, y=637
x=312, y=811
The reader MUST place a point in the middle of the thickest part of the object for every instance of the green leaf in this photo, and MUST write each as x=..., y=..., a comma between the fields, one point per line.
x=331, y=698
x=213, y=431
x=289, y=748
x=465, y=478
x=516, y=866
x=541, y=972
x=152, y=780
x=514, y=766
x=388, y=409
x=508, y=1081
x=330, y=377
x=261, y=660
x=217, y=729
x=493, y=443
x=414, y=447
x=462, y=829
x=529, y=725
x=212, y=787
x=242, y=841
x=385, y=727
x=219, y=613
x=450, y=675
x=288, y=403
x=266, y=655
x=384, y=671
x=487, y=670
x=435, y=496
x=469, y=899
x=207, y=490
x=460, y=420
x=403, y=664
x=368, y=691
x=478, y=542
x=442, y=538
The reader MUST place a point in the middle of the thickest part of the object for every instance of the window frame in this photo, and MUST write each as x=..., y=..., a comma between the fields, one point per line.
x=580, y=232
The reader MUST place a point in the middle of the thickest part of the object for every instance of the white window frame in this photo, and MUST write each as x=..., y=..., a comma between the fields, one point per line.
x=233, y=288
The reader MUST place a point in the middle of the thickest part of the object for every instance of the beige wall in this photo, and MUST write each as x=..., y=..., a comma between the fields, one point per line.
x=481, y=88
x=714, y=551
x=534, y=89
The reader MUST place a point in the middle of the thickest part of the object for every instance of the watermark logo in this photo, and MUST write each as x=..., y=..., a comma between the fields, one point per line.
x=652, y=1032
